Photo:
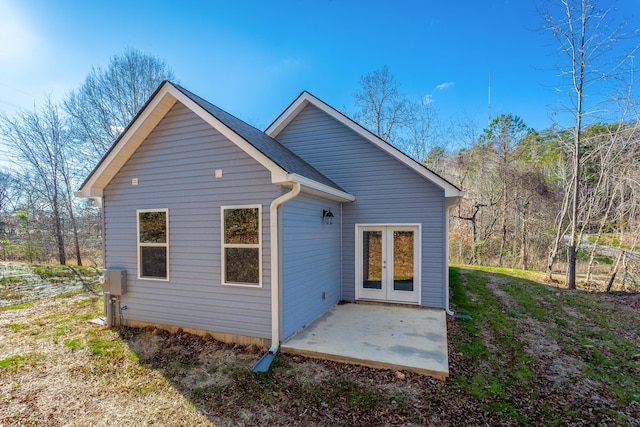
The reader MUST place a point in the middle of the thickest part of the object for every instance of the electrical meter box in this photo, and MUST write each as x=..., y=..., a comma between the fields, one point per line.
x=114, y=281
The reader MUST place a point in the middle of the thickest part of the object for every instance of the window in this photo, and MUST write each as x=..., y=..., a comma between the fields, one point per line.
x=241, y=248
x=153, y=244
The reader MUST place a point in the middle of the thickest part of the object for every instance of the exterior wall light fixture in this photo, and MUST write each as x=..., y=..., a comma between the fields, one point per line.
x=327, y=216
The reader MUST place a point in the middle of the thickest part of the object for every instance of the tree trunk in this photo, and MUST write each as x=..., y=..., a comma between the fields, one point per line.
x=474, y=241
x=614, y=272
x=578, y=80
x=571, y=273
x=503, y=241
x=76, y=240
x=72, y=217
x=57, y=221
x=523, y=240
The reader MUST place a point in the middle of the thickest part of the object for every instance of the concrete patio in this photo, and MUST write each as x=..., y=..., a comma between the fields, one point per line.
x=379, y=336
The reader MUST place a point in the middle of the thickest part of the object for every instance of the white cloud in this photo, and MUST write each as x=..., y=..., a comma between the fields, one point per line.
x=427, y=99
x=285, y=65
x=443, y=86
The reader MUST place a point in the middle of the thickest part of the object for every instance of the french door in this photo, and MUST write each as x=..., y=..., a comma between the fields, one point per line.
x=389, y=263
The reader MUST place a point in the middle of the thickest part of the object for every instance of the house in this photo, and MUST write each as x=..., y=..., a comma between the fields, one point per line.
x=249, y=235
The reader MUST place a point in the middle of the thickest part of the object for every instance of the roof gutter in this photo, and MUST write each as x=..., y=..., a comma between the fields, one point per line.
x=316, y=188
x=264, y=363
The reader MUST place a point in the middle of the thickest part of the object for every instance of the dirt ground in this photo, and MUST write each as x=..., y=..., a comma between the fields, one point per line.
x=58, y=369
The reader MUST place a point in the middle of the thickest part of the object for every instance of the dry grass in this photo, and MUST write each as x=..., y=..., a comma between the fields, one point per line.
x=532, y=355
x=61, y=370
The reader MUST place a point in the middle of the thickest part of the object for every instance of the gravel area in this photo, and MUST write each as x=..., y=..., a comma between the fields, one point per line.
x=19, y=284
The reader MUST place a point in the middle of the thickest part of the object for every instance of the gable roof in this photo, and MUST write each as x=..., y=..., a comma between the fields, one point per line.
x=284, y=165
x=306, y=98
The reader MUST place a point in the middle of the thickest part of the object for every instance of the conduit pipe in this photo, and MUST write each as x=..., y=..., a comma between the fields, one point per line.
x=108, y=308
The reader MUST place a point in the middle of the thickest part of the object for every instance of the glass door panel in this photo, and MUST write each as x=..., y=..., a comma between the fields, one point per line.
x=372, y=259
x=403, y=262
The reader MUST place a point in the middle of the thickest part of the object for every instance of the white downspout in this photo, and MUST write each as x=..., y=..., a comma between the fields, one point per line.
x=275, y=265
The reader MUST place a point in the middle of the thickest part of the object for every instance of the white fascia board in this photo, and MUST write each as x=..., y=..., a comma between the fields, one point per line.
x=277, y=173
x=306, y=98
x=287, y=115
x=129, y=142
x=314, y=187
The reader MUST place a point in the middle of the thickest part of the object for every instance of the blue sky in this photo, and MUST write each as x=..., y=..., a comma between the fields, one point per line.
x=252, y=58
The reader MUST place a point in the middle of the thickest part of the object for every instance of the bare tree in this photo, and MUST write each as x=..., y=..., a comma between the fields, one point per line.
x=585, y=35
x=39, y=139
x=110, y=98
x=381, y=107
x=422, y=132
x=501, y=137
x=4, y=190
x=473, y=219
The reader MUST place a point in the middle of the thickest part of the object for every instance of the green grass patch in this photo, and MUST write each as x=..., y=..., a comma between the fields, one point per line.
x=74, y=344
x=61, y=318
x=612, y=240
x=61, y=273
x=582, y=325
x=88, y=316
x=58, y=331
x=10, y=279
x=472, y=343
x=17, y=327
x=13, y=363
x=51, y=271
x=70, y=294
x=490, y=342
x=106, y=347
x=17, y=306
x=354, y=394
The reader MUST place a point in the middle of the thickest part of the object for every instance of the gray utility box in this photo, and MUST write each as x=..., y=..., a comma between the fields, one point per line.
x=114, y=281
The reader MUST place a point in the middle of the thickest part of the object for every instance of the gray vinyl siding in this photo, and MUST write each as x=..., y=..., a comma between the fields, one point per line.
x=175, y=169
x=310, y=261
x=386, y=190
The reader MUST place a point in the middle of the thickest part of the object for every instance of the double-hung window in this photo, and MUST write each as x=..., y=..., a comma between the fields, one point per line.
x=153, y=244
x=241, y=245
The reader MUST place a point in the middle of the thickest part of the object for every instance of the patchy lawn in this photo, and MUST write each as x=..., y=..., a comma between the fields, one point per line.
x=531, y=355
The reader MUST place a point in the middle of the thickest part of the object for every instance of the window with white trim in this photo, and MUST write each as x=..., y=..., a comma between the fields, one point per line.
x=241, y=245
x=153, y=244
